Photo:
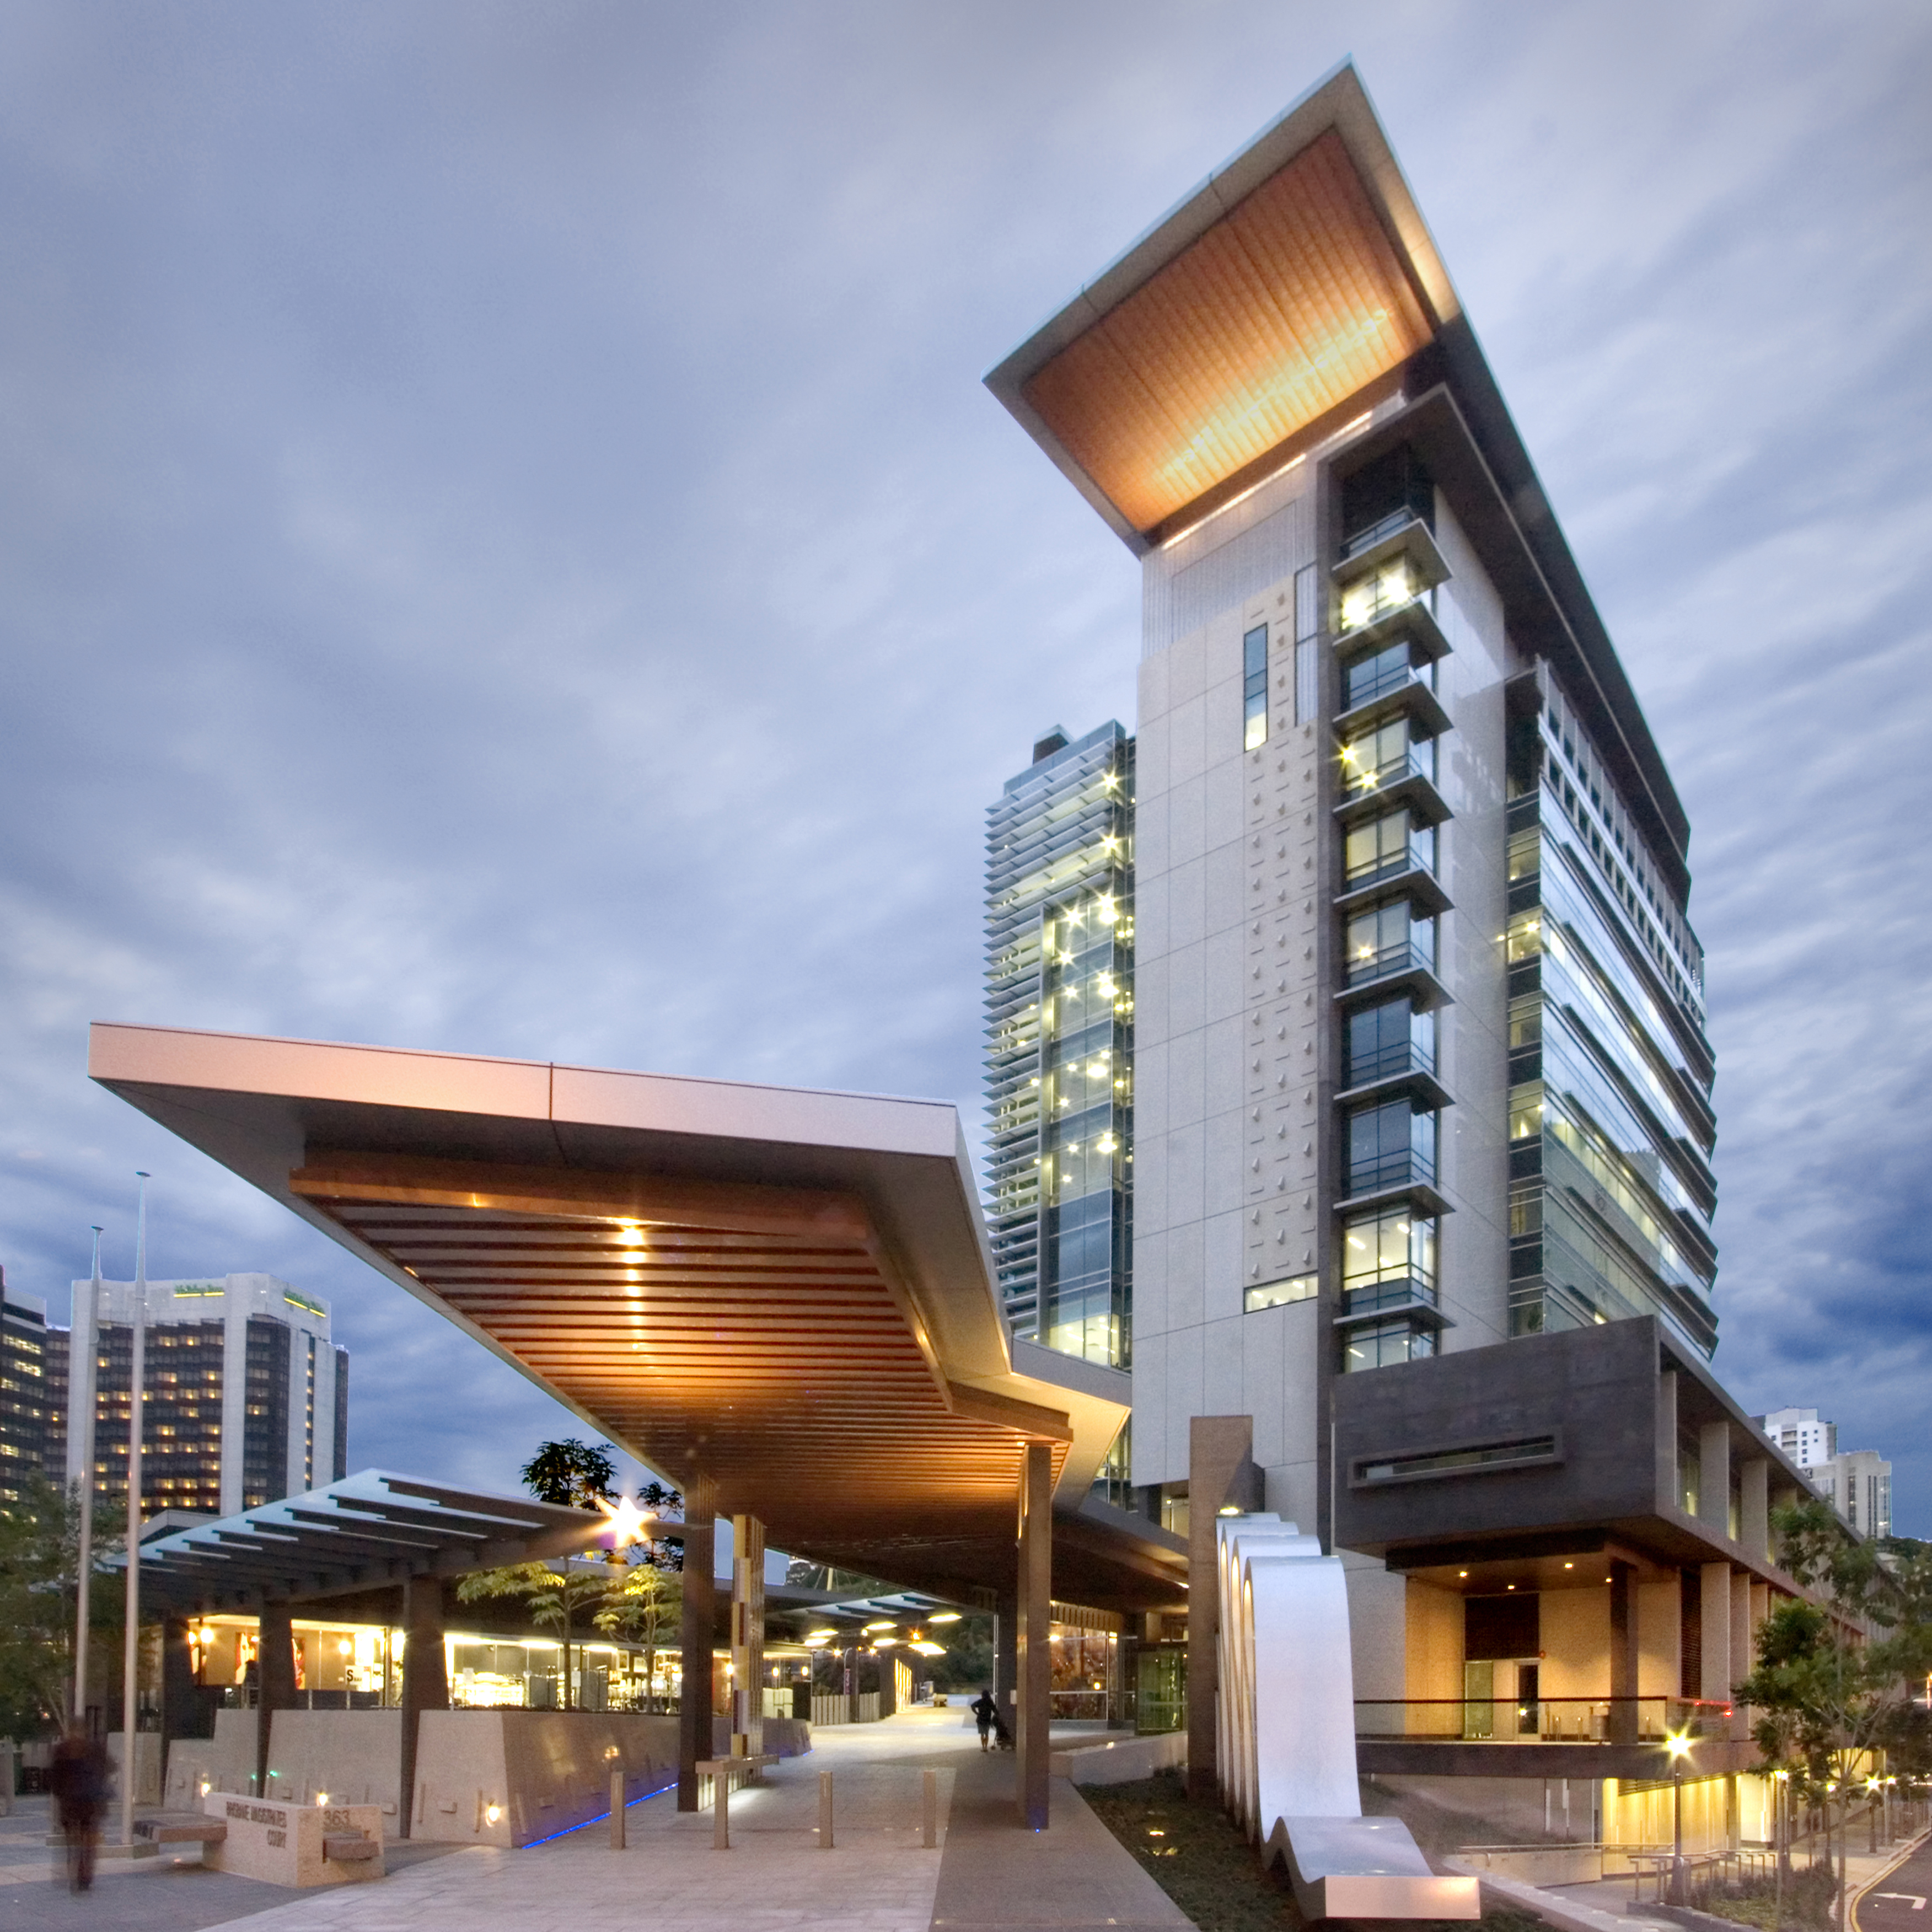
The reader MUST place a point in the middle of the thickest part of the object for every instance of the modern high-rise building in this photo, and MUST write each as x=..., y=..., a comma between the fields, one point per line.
x=246, y=1396
x=1419, y=1061
x=1060, y=1033
x=1422, y=1129
x=28, y=1404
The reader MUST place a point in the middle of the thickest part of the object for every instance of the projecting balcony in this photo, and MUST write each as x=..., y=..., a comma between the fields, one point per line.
x=1403, y=968
x=1401, y=692
x=1540, y=1737
x=1401, y=536
x=1401, y=1072
x=1418, y=1196
x=1407, y=780
x=1403, y=876
x=1394, y=1295
x=1382, y=620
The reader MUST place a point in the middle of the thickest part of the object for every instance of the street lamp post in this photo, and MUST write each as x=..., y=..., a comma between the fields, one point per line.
x=84, y=1565
x=131, y=1654
x=1678, y=1743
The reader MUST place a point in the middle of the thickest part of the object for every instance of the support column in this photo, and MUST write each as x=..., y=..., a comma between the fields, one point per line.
x=275, y=1681
x=1005, y=1654
x=1742, y=1648
x=1754, y=1506
x=425, y=1686
x=748, y=1636
x=1714, y=1625
x=183, y=1714
x=1713, y=1477
x=1033, y=1649
x=694, y=1703
x=1220, y=1473
x=1624, y=1652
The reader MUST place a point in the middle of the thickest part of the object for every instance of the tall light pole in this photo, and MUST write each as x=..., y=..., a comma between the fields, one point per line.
x=131, y=1648
x=84, y=1425
x=1678, y=1743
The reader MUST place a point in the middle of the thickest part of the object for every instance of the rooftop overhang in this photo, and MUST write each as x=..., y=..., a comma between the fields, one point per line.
x=1293, y=293
x=371, y=1529
x=788, y=1293
x=1286, y=284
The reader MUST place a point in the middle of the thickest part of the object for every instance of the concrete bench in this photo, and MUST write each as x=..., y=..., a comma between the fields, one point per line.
x=747, y=1767
x=350, y=1847
x=181, y=1827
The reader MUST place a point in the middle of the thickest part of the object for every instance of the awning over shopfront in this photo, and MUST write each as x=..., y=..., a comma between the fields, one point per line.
x=787, y=1294
x=370, y=1529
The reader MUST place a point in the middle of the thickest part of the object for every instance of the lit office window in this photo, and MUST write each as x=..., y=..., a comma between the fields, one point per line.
x=1254, y=687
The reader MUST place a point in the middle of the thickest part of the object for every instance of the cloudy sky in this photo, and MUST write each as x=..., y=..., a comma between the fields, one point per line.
x=504, y=549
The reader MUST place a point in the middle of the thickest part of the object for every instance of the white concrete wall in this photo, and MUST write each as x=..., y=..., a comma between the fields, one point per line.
x=1226, y=1010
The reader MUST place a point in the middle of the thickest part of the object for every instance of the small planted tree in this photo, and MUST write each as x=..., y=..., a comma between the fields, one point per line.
x=1834, y=1677
x=645, y=1605
x=40, y=1560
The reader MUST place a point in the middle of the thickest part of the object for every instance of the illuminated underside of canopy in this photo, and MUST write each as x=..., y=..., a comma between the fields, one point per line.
x=1279, y=313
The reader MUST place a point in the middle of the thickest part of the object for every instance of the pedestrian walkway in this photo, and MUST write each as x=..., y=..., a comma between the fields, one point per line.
x=987, y=1875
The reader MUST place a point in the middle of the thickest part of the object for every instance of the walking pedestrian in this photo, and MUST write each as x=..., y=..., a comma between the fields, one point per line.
x=78, y=1779
x=985, y=1714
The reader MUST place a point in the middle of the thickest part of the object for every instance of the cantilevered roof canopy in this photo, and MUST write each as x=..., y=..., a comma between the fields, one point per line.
x=788, y=1293
x=371, y=1529
x=1283, y=286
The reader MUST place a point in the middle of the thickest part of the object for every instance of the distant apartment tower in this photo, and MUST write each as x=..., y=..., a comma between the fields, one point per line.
x=247, y=1397
x=1800, y=1434
x=1060, y=927
x=1857, y=1482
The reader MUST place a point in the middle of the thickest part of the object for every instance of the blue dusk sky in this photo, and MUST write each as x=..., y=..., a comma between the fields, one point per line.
x=505, y=550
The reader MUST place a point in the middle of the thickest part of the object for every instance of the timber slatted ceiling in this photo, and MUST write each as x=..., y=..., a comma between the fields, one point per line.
x=1281, y=311
x=767, y=1347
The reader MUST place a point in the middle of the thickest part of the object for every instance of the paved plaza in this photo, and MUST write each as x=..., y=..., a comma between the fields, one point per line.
x=985, y=1873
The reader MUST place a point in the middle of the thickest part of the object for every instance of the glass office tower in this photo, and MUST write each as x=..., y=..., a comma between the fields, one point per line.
x=1059, y=1044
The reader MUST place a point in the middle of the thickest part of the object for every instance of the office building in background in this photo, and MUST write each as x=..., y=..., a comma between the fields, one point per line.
x=247, y=1397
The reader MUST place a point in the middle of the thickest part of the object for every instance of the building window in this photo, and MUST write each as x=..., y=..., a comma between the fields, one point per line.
x=1388, y=1258
x=1382, y=1344
x=1276, y=1294
x=1254, y=687
x=1379, y=593
x=1383, y=848
x=1307, y=651
x=1393, y=1145
x=1381, y=1043
x=1380, y=673
x=1388, y=938
x=1375, y=760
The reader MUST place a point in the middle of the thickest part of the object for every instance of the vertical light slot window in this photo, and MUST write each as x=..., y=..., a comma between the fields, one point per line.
x=1254, y=687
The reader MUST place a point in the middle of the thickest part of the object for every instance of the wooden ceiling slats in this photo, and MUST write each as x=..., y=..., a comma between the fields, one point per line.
x=1282, y=309
x=782, y=1360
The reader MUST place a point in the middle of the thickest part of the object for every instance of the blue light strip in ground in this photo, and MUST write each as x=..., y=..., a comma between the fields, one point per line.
x=602, y=1817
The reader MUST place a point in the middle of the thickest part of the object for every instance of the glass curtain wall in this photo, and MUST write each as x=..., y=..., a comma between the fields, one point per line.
x=1060, y=1045
x=1610, y=1123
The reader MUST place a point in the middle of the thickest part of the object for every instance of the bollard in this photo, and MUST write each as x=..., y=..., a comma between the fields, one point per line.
x=825, y=1810
x=720, y=1801
x=617, y=1808
x=929, y=1811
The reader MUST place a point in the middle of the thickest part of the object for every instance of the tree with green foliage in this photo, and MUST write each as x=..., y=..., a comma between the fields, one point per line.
x=570, y=1474
x=645, y=1605
x=40, y=1560
x=1835, y=1675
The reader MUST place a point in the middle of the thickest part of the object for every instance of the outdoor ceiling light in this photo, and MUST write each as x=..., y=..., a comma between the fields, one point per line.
x=887, y=1624
x=944, y=1617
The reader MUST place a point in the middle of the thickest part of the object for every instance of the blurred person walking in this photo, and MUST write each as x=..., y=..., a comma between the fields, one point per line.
x=78, y=1780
